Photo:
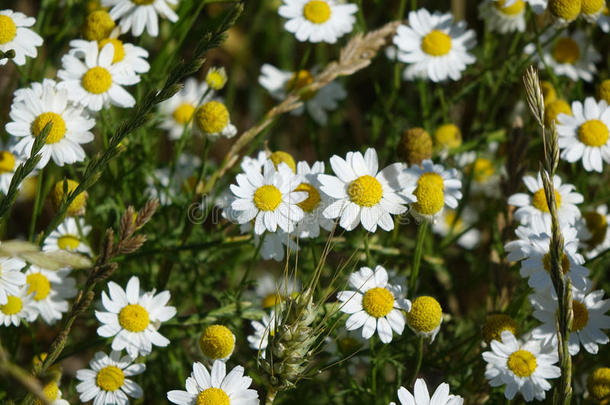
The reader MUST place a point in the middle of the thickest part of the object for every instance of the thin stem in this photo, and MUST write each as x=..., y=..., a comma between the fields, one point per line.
x=419, y=247
x=271, y=393
x=420, y=357
x=36, y=209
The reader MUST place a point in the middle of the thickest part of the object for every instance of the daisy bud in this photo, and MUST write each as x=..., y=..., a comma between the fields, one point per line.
x=598, y=384
x=565, y=10
x=217, y=342
x=555, y=108
x=425, y=317
x=603, y=91
x=77, y=206
x=98, y=25
x=415, y=146
x=279, y=156
x=213, y=119
x=592, y=8
x=496, y=324
x=448, y=136
x=216, y=78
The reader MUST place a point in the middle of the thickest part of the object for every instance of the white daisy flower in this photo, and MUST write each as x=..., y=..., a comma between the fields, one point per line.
x=533, y=208
x=522, y=367
x=53, y=394
x=585, y=135
x=164, y=186
x=42, y=103
x=315, y=204
x=178, y=110
x=421, y=396
x=450, y=224
x=362, y=193
x=318, y=20
x=106, y=381
x=9, y=162
x=70, y=235
x=14, y=35
x=133, y=317
x=11, y=277
x=256, y=164
x=375, y=305
x=137, y=14
x=269, y=198
x=503, y=16
x=275, y=244
x=434, y=46
x=485, y=175
x=590, y=318
x=532, y=248
x=259, y=340
x=568, y=55
x=318, y=103
x=130, y=58
x=215, y=387
x=94, y=81
x=212, y=119
x=434, y=188
x=50, y=289
x=272, y=291
x=594, y=231
x=18, y=307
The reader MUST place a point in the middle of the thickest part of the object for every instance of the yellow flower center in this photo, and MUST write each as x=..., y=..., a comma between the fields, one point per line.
x=97, y=80
x=50, y=391
x=267, y=197
x=13, y=305
x=8, y=29
x=436, y=43
x=216, y=342
x=68, y=242
x=522, y=363
x=430, y=194
x=553, y=109
x=581, y=316
x=448, y=135
x=567, y=10
x=548, y=92
x=58, y=126
x=313, y=197
x=366, y=191
x=415, y=146
x=378, y=302
x=348, y=346
x=212, y=117
x=110, y=378
x=7, y=162
x=425, y=314
x=516, y=8
x=566, y=50
x=213, y=396
x=317, y=11
x=183, y=113
x=299, y=80
x=216, y=78
x=597, y=226
x=119, y=49
x=496, y=324
x=565, y=263
x=271, y=300
x=592, y=7
x=593, y=133
x=77, y=207
x=142, y=2
x=283, y=157
x=39, y=284
x=598, y=384
x=134, y=318
x=539, y=200
x=603, y=91
x=98, y=25
x=482, y=169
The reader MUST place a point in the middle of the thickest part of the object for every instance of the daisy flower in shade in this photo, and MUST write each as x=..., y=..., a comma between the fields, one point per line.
x=533, y=209
x=254, y=163
x=522, y=367
x=11, y=277
x=50, y=289
x=314, y=204
x=434, y=46
x=15, y=35
x=216, y=387
x=433, y=187
x=216, y=78
x=138, y=14
x=272, y=291
x=585, y=135
x=179, y=109
x=70, y=235
x=275, y=244
x=503, y=16
x=53, y=394
x=93, y=81
x=106, y=382
x=604, y=20
x=594, y=230
x=568, y=55
x=9, y=161
x=461, y=227
x=425, y=317
x=18, y=307
x=421, y=396
x=269, y=198
x=590, y=318
x=166, y=186
x=591, y=10
x=598, y=384
x=485, y=175
x=130, y=58
x=362, y=193
x=133, y=318
x=212, y=119
x=348, y=349
x=259, y=340
x=495, y=324
x=317, y=103
x=217, y=342
x=43, y=103
x=318, y=20
x=375, y=305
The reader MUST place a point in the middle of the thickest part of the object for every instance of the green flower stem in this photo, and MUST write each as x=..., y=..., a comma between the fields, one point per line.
x=419, y=247
x=420, y=357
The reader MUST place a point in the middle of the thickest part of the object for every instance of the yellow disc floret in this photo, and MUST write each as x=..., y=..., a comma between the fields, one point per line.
x=117, y=44
x=512, y=10
x=436, y=43
x=77, y=206
x=366, y=191
x=216, y=78
x=567, y=10
x=279, y=156
x=13, y=305
x=415, y=146
x=448, y=136
x=212, y=117
x=597, y=225
x=68, y=242
x=482, y=169
x=8, y=29
x=213, y=396
x=496, y=324
x=7, y=162
x=539, y=200
x=267, y=197
x=317, y=11
x=430, y=194
x=98, y=25
x=548, y=92
x=378, y=302
x=581, y=316
x=38, y=284
x=522, y=363
x=134, y=318
x=50, y=391
x=598, y=384
x=58, y=126
x=183, y=113
x=425, y=314
x=565, y=263
x=110, y=378
x=553, y=109
x=592, y=7
x=299, y=80
x=603, y=91
x=217, y=342
x=271, y=300
x=566, y=50
x=97, y=80
x=593, y=133
x=313, y=197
